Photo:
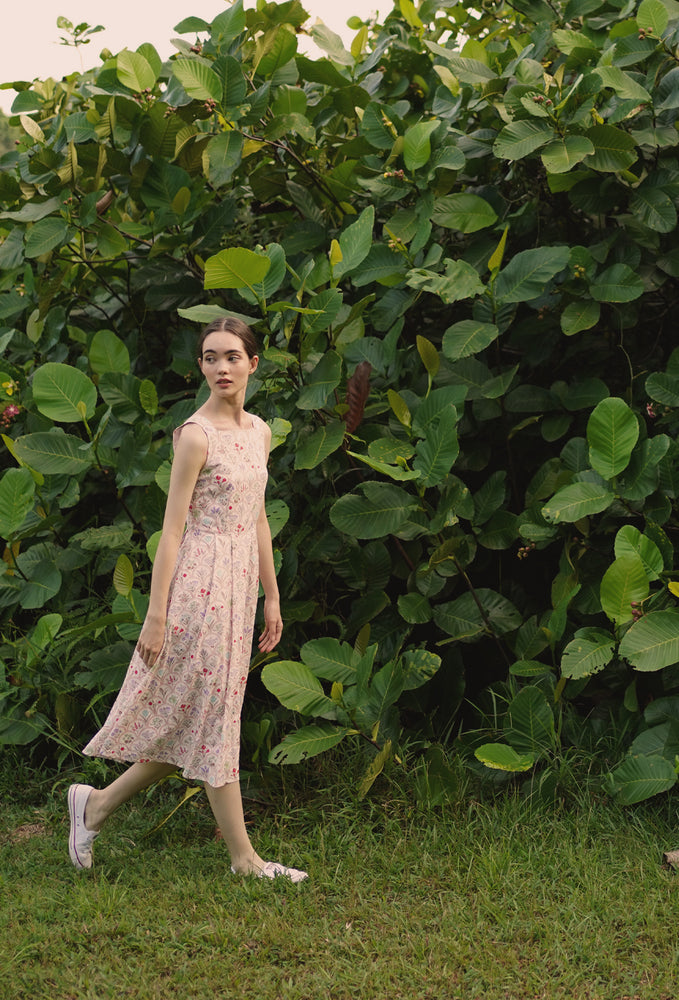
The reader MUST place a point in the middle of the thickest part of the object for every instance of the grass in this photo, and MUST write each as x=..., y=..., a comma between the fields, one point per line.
x=478, y=901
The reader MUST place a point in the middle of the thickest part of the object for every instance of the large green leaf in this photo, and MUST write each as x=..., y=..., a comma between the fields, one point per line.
x=265, y=288
x=529, y=727
x=590, y=650
x=313, y=449
x=630, y=541
x=276, y=48
x=569, y=41
x=325, y=306
x=662, y=740
x=613, y=149
x=419, y=666
x=654, y=208
x=374, y=126
x=460, y=281
x=105, y=669
x=618, y=283
x=622, y=83
x=19, y=732
x=528, y=272
x=108, y=536
x=222, y=156
x=53, y=453
x=198, y=79
x=229, y=24
x=331, y=660
x=463, y=619
x=652, y=642
x=397, y=472
x=578, y=316
x=501, y=757
x=446, y=399
x=640, y=479
x=355, y=243
x=234, y=84
x=323, y=380
x=307, y=742
x=277, y=514
x=624, y=585
x=521, y=138
x=43, y=581
x=579, y=500
x=653, y=17
x=45, y=235
x=134, y=71
x=612, y=432
x=414, y=608
x=121, y=392
x=562, y=155
x=465, y=212
x=297, y=688
x=385, y=690
x=467, y=337
x=64, y=393
x=17, y=490
x=12, y=250
x=206, y=314
x=42, y=636
x=235, y=267
x=466, y=70
x=417, y=144
x=381, y=511
x=435, y=454
x=640, y=778
x=664, y=388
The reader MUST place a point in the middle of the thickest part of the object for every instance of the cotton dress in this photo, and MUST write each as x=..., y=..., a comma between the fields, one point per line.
x=185, y=710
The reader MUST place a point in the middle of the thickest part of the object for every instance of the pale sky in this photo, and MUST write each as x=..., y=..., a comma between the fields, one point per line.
x=30, y=38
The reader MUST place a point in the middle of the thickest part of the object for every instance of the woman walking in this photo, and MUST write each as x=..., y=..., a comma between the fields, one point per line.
x=180, y=703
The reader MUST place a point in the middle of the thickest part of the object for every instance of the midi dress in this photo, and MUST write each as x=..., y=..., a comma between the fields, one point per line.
x=186, y=708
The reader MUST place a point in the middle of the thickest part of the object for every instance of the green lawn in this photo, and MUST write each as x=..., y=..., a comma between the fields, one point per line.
x=484, y=901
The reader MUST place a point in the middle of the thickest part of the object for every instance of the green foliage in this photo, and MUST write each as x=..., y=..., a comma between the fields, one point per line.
x=457, y=243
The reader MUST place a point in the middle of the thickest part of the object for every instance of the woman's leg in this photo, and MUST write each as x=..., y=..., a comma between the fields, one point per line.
x=227, y=807
x=103, y=801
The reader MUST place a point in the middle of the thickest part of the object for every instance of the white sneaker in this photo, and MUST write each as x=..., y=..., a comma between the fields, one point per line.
x=80, y=839
x=273, y=869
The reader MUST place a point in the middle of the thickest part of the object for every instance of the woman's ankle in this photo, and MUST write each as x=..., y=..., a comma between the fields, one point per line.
x=94, y=813
x=247, y=864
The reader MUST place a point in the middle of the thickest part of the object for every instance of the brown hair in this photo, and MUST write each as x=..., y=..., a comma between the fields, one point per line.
x=229, y=324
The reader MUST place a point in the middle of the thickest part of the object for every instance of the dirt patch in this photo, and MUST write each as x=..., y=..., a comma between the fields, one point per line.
x=25, y=832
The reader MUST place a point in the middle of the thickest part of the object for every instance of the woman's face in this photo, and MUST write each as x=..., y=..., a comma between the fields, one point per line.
x=225, y=364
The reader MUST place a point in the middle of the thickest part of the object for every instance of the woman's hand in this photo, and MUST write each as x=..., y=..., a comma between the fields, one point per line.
x=273, y=626
x=151, y=639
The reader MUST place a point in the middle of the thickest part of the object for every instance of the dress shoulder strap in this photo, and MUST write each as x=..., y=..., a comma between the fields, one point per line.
x=195, y=418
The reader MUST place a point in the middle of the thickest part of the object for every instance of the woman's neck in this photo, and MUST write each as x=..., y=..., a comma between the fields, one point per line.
x=224, y=413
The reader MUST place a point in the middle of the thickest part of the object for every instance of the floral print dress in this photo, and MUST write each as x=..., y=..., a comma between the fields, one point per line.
x=185, y=710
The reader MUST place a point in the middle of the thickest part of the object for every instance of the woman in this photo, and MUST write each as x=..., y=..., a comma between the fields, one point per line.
x=180, y=703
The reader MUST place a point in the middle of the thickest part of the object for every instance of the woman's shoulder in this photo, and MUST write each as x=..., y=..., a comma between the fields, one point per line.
x=260, y=425
x=193, y=431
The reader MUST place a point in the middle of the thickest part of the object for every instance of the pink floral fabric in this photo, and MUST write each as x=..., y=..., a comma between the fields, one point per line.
x=185, y=710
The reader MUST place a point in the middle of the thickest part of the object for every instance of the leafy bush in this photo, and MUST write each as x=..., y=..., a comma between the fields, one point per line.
x=457, y=242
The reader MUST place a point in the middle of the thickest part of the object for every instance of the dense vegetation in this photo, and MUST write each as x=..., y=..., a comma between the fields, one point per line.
x=456, y=241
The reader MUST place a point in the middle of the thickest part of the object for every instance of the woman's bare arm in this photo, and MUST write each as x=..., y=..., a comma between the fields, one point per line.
x=189, y=459
x=273, y=623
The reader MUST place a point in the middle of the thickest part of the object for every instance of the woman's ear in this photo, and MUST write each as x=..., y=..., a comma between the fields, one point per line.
x=254, y=361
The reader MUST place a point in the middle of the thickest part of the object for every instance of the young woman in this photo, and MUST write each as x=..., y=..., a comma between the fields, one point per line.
x=180, y=703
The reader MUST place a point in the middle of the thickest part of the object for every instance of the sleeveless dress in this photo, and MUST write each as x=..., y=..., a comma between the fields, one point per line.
x=185, y=710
